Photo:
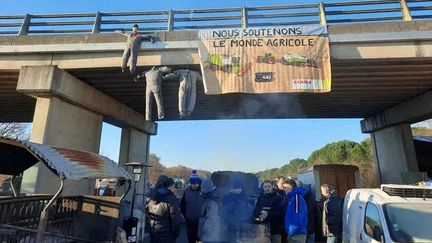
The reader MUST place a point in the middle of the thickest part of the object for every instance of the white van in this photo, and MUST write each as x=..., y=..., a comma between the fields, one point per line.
x=394, y=213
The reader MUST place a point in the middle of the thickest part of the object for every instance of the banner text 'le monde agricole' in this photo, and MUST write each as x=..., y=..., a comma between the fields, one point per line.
x=265, y=60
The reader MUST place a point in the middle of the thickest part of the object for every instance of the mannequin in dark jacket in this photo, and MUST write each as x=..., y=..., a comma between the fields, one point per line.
x=191, y=204
x=163, y=212
x=268, y=210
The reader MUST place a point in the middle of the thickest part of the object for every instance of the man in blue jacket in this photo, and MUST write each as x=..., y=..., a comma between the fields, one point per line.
x=296, y=215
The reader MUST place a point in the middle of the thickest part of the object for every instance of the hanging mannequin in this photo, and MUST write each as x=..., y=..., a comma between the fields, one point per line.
x=133, y=46
x=187, y=90
x=154, y=78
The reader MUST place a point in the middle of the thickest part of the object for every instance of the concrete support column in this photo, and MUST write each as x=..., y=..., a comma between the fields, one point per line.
x=134, y=147
x=395, y=154
x=62, y=124
x=69, y=113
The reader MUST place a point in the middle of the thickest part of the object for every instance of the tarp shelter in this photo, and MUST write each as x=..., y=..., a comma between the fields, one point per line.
x=16, y=156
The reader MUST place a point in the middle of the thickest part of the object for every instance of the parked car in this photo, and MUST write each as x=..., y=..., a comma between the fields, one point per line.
x=394, y=213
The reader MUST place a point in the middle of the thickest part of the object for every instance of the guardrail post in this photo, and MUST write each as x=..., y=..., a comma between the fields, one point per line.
x=97, y=23
x=406, y=15
x=322, y=15
x=25, y=26
x=244, y=17
x=170, y=20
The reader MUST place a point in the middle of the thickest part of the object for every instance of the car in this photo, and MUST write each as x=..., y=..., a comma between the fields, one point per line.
x=393, y=213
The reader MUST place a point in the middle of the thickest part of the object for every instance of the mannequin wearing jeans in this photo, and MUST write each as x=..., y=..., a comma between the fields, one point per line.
x=154, y=79
x=187, y=90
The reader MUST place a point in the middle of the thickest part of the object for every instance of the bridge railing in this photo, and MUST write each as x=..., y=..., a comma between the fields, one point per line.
x=242, y=17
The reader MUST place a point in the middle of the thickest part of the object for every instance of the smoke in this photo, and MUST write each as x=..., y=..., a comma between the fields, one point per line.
x=264, y=106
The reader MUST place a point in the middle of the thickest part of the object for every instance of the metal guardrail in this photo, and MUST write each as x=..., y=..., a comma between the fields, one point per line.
x=239, y=17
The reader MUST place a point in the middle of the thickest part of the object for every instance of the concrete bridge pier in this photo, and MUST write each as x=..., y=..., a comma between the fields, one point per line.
x=60, y=123
x=392, y=139
x=134, y=147
x=395, y=155
x=69, y=113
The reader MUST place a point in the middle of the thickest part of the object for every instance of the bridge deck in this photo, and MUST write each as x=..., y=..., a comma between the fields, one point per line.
x=360, y=89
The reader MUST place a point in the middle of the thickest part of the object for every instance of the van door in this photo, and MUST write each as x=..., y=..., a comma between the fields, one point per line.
x=372, y=230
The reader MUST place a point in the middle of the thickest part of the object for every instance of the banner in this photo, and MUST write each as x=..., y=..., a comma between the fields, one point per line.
x=265, y=60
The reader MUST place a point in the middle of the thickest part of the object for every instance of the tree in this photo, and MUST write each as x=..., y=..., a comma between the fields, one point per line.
x=342, y=152
x=156, y=168
x=14, y=130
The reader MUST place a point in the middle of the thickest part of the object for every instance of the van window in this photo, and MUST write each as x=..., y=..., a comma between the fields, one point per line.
x=372, y=221
x=409, y=222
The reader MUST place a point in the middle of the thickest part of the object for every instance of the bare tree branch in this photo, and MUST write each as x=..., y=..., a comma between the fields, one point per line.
x=14, y=130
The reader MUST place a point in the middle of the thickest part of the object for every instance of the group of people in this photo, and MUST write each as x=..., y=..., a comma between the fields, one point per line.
x=285, y=206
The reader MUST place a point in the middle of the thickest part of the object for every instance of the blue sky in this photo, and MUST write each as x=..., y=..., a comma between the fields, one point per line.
x=61, y=6
x=248, y=145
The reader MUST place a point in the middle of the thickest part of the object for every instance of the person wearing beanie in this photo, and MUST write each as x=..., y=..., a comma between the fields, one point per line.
x=163, y=212
x=209, y=223
x=191, y=204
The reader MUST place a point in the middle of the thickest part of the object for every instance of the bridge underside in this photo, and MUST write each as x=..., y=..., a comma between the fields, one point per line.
x=360, y=89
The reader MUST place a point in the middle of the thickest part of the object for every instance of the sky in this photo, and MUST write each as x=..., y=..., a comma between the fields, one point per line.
x=245, y=145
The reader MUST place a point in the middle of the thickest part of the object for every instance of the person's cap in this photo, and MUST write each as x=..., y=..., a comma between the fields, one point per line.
x=207, y=186
x=135, y=26
x=194, y=179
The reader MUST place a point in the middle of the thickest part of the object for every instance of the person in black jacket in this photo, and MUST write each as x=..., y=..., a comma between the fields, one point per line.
x=163, y=212
x=332, y=214
x=191, y=204
x=268, y=210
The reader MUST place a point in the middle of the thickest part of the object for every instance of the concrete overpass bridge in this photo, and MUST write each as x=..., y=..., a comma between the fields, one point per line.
x=62, y=72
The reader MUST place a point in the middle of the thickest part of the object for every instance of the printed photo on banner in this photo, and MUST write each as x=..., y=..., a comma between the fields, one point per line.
x=265, y=60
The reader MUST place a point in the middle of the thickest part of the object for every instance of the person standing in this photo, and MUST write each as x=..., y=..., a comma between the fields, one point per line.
x=235, y=210
x=133, y=45
x=312, y=212
x=209, y=229
x=278, y=188
x=280, y=180
x=267, y=210
x=163, y=212
x=332, y=214
x=191, y=204
x=296, y=212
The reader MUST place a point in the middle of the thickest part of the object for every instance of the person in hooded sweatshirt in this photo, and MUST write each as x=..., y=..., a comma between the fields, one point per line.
x=235, y=210
x=209, y=228
x=163, y=212
x=191, y=204
x=267, y=210
x=312, y=212
x=296, y=214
